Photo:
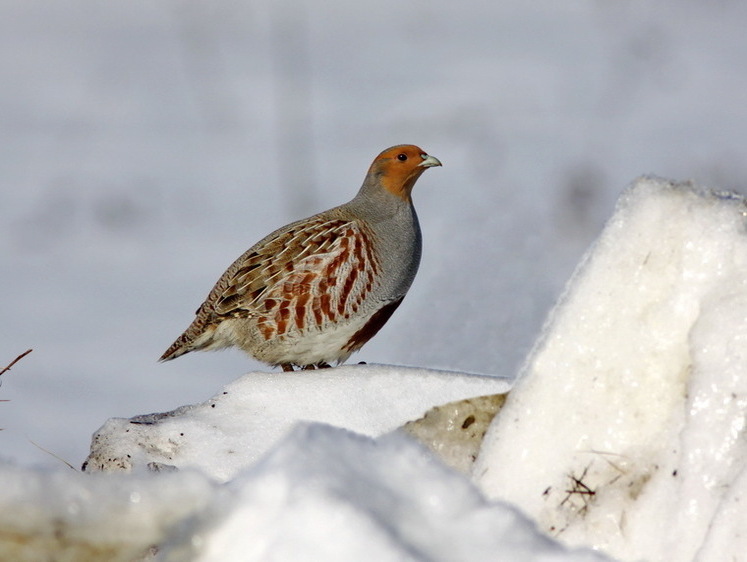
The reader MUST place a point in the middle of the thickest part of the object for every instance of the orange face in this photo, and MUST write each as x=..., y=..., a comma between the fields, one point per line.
x=400, y=167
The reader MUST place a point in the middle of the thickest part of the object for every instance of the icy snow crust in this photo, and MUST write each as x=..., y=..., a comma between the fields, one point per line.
x=624, y=433
x=626, y=427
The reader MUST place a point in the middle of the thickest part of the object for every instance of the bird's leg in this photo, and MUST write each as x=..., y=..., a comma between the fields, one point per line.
x=323, y=366
x=308, y=367
x=287, y=367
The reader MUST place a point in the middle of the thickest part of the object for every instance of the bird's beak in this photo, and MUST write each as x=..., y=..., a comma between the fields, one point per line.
x=429, y=161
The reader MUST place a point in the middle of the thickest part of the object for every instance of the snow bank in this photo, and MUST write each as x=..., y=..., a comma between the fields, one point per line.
x=322, y=493
x=327, y=494
x=626, y=430
x=234, y=428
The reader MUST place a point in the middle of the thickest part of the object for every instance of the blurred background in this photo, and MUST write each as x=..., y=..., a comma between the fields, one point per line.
x=144, y=145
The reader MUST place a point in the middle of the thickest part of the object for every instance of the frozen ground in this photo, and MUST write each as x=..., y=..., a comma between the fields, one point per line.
x=147, y=144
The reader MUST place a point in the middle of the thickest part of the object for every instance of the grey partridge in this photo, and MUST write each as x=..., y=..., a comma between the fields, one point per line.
x=315, y=291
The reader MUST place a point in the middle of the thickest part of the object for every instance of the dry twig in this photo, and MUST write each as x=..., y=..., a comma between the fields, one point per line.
x=16, y=360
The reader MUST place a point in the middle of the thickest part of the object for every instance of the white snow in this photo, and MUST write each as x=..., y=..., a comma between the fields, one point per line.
x=62, y=515
x=637, y=389
x=323, y=493
x=326, y=494
x=233, y=429
x=147, y=144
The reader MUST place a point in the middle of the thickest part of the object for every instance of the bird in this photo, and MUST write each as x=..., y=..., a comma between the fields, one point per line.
x=313, y=292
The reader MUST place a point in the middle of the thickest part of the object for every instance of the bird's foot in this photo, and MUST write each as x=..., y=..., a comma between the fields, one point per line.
x=289, y=366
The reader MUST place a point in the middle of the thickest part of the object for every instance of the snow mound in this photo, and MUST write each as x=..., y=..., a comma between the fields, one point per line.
x=626, y=429
x=327, y=494
x=322, y=493
x=234, y=428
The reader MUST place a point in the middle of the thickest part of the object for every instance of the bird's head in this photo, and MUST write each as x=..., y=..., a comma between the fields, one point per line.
x=398, y=168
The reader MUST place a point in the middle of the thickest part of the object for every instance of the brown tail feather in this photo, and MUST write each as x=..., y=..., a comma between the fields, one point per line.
x=177, y=349
x=185, y=342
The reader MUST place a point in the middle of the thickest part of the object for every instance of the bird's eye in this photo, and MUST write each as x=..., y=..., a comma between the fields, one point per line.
x=401, y=157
